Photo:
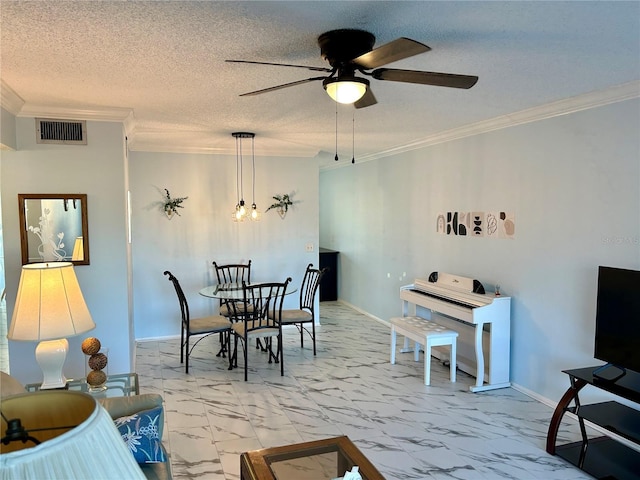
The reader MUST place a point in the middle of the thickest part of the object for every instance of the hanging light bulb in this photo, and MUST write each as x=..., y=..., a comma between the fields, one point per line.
x=236, y=214
x=255, y=214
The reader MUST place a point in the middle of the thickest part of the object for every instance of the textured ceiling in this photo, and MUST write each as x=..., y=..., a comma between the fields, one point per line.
x=164, y=63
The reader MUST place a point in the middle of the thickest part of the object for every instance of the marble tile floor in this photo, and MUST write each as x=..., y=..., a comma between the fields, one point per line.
x=406, y=429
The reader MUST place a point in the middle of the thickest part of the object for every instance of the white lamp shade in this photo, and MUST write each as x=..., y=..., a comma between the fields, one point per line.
x=93, y=448
x=49, y=304
x=346, y=91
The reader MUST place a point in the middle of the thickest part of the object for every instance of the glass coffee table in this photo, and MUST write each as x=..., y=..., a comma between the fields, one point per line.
x=318, y=460
x=118, y=385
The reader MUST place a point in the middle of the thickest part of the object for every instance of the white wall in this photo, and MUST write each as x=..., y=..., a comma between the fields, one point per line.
x=7, y=130
x=96, y=169
x=187, y=244
x=574, y=185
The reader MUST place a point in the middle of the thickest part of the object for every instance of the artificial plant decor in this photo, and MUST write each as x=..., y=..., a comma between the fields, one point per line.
x=281, y=205
x=171, y=205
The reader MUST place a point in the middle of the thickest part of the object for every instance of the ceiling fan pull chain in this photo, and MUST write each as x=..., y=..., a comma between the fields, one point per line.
x=336, y=157
x=353, y=138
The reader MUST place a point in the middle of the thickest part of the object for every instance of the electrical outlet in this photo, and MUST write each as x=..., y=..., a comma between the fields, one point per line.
x=309, y=247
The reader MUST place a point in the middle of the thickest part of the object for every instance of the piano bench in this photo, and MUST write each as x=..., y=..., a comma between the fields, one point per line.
x=427, y=333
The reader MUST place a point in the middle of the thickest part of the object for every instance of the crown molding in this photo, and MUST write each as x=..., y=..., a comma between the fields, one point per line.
x=141, y=144
x=129, y=123
x=138, y=145
x=618, y=93
x=104, y=114
x=14, y=104
x=163, y=140
x=9, y=99
x=205, y=142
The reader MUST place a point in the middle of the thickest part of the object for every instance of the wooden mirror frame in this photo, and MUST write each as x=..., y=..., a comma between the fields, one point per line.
x=61, y=249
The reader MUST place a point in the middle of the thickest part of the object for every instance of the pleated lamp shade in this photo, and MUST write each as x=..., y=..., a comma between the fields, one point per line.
x=49, y=308
x=50, y=304
x=89, y=446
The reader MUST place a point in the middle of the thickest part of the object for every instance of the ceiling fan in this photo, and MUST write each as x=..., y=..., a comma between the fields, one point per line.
x=349, y=51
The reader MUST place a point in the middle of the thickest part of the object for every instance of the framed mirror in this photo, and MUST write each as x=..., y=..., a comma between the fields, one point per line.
x=54, y=228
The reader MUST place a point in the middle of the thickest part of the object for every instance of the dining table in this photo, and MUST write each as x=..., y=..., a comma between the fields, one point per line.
x=233, y=291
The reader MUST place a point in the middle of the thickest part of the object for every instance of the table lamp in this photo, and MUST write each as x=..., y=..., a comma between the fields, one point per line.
x=49, y=308
x=61, y=435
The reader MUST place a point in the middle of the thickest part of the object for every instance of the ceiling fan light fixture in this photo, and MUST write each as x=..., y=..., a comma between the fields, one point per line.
x=346, y=90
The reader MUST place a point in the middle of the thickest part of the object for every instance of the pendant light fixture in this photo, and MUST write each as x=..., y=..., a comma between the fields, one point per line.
x=241, y=211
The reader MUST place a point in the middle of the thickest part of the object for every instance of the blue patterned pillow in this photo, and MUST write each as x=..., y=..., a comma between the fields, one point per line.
x=140, y=433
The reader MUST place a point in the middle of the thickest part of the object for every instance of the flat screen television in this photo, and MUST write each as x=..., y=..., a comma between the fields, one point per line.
x=617, y=339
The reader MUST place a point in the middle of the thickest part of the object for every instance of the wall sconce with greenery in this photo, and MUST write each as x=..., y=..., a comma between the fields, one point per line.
x=281, y=205
x=171, y=205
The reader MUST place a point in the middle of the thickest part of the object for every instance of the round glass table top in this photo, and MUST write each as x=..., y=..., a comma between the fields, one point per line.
x=233, y=291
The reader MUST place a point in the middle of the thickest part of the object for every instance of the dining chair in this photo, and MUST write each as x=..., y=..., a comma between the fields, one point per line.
x=306, y=313
x=258, y=316
x=232, y=273
x=202, y=327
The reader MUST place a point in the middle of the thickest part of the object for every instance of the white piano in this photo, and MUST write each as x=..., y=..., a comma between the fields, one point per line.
x=482, y=320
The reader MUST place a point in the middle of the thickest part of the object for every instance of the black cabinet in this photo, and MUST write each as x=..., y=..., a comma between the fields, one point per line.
x=329, y=282
x=602, y=457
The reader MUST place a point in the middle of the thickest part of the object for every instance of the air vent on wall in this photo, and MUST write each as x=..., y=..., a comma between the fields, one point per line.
x=68, y=132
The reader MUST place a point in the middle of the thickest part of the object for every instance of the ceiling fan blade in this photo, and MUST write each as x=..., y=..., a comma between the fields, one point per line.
x=284, y=85
x=390, y=52
x=367, y=100
x=313, y=69
x=425, y=78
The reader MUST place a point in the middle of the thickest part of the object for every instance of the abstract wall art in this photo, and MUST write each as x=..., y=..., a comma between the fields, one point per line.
x=493, y=224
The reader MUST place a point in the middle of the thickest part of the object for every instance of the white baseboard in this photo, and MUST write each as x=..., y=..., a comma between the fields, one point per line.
x=534, y=395
x=364, y=312
x=157, y=339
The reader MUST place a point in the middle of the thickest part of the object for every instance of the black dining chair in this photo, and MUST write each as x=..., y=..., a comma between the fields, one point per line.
x=202, y=327
x=258, y=316
x=232, y=273
x=306, y=313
